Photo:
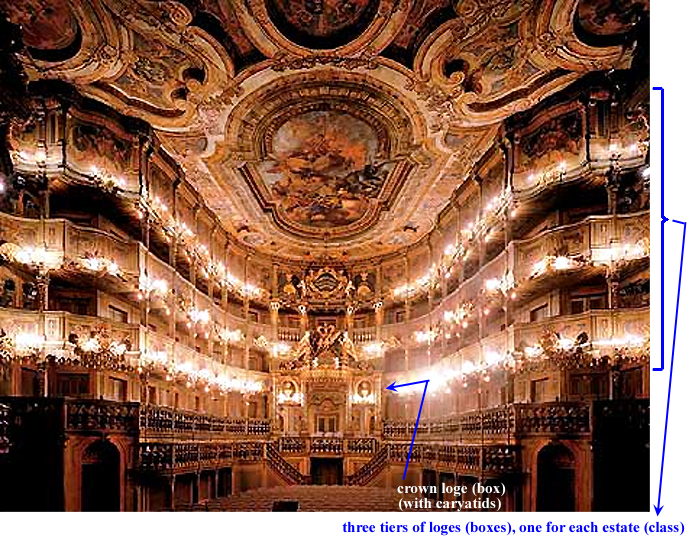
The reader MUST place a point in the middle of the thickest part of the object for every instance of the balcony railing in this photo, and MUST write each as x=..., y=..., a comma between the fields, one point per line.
x=600, y=325
x=364, y=334
x=158, y=421
x=66, y=241
x=507, y=422
x=134, y=419
x=589, y=239
x=365, y=446
x=289, y=334
x=180, y=456
x=73, y=415
x=100, y=416
x=490, y=460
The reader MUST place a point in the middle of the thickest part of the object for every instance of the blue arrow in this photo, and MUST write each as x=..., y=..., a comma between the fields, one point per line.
x=393, y=387
x=664, y=220
x=658, y=508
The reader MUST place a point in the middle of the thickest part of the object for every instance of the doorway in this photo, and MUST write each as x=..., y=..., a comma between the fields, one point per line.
x=556, y=475
x=101, y=478
x=327, y=471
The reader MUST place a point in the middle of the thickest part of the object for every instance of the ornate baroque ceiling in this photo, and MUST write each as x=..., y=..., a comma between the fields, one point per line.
x=318, y=127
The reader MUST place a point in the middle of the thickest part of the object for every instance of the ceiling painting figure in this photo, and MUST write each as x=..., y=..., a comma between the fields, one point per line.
x=325, y=169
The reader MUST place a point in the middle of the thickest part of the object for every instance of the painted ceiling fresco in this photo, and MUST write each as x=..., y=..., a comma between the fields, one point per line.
x=324, y=169
x=610, y=17
x=46, y=26
x=324, y=126
x=321, y=24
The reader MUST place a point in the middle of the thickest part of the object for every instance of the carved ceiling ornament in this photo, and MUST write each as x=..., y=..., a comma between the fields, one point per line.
x=143, y=60
x=487, y=72
x=327, y=283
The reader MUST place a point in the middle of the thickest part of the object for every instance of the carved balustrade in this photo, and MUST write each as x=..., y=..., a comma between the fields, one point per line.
x=490, y=460
x=364, y=334
x=289, y=334
x=75, y=415
x=552, y=418
x=370, y=469
x=157, y=421
x=292, y=445
x=361, y=446
x=500, y=423
x=331, y=446
x=327, y=446
x=102, y=416
x=132, y=419
x=162, y=457
x=282, y=467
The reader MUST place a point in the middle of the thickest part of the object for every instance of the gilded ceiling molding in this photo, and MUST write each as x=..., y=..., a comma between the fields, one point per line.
x=172, y=68
x=480, y=74
x=143, y=60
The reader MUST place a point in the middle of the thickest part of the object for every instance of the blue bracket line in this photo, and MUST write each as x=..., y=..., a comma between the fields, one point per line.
x=664, y=220
x=393, y=387
x=658, y=508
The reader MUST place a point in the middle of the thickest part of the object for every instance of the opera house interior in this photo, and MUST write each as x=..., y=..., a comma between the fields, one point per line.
x=228, y=227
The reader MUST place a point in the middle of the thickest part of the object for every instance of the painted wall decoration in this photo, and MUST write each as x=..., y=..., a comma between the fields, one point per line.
x=98, y=147
x=325, y=169
x=322, y=24
x=551, y=143
x=393, y=274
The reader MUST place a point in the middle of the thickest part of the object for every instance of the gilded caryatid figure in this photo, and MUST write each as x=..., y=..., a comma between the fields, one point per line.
x=304, y=351
x=325, y=345
x=348, y=349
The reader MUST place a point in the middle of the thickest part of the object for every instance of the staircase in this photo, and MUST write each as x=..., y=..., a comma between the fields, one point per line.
x=310, y=499
x=365, y=474
x=283, y=468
